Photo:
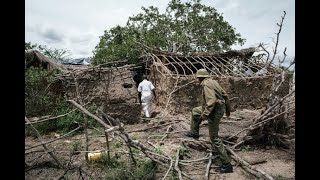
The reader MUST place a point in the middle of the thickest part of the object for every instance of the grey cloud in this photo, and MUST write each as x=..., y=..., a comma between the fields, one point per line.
x=82, y=39
x=50, y=35
x=82, y=52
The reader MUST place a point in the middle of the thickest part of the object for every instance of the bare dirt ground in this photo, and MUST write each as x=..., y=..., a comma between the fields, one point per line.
x=278, y=163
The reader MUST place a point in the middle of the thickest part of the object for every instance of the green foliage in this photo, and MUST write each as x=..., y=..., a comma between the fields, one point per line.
x=41, y=102
x=185, y=152
x=145, y=168
x=184, y=27
x=76, y=146
x=37, y=100
x=118, y=170
x=246, y=148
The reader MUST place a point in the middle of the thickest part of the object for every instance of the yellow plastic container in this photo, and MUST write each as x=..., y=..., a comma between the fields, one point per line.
x=93, y=156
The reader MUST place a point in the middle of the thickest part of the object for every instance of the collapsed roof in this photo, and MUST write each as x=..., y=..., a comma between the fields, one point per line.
x=34, y=58
x=231, y=63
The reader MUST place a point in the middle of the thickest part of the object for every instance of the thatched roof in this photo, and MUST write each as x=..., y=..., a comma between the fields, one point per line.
x=34, y=58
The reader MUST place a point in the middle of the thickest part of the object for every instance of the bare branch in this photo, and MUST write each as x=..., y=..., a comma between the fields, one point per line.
x=176, y=166
x=44, y=146
x=278, y=34
x=258, y=173
x=208, y=167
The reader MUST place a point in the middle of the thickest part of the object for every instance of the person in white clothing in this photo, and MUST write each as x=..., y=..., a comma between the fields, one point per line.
x=145, y=90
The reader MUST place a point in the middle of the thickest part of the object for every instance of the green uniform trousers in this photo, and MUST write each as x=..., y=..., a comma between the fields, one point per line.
x=213, y=121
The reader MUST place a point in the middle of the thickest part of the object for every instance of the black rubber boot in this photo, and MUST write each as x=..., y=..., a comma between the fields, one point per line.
x=226, y=168
x=190, y=134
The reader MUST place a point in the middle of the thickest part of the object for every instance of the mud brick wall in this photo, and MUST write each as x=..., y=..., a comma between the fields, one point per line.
x=105, y=88
x=250, y=93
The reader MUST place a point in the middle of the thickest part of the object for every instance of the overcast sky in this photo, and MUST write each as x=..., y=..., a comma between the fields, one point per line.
x=77, y=24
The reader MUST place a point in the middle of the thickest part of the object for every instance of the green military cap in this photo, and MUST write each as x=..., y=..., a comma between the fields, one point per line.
x=202, y=73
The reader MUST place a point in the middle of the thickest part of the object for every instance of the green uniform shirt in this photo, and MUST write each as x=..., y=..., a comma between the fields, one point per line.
x=212, y=93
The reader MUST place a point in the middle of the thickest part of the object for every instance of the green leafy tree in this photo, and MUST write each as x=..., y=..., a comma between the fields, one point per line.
x=183, y=28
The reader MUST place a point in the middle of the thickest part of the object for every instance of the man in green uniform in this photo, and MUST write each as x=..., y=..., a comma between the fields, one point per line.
x=214, y=103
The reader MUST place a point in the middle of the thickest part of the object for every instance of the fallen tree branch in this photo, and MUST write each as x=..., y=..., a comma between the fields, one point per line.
x=125, y=137
x=258, y=173
x=89, y=114
x=171, y=163
x=255, y=126
x=255, y=120
x=44, y=146
x=152, y=127
x=50, y=118
x=43, y=143
x=84, y=117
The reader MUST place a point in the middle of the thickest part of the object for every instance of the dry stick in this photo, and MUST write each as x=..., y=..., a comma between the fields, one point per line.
x=242, y=75
x=273, y=106
x=213, y=64
x=222, y=65
x=217, y=69
x=177, y=72
x=44, y=146
x=56, y=117
x=252, y=127
x=216, y=64
x=195, y=160
x=244, y=163
x=264, y=49
x=43, y=143
x=176, y=166
x=39, y=156
x=85, y=118
x=175, y=86
x=179, y=87
x=228, y=62
x=171, y=63
x=106, y=133
x=129, y=146
x=67, y=168
x=205, y=66
x=208, y=167
x=107, y=141
x=171, y=163
x=162, y=65
x=152, y=127
x=211, y=60
x=188, y=67
x=101, y=122
x=280, y=27
x=263, y=115
x=154, y=146
x=184, y=72
x=166, y=134
x=258, y=124
x=88, y=113
x=136, y=144
x=256, y=64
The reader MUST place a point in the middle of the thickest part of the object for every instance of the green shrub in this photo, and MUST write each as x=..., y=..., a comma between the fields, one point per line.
x=41, y=102
x=118, y=169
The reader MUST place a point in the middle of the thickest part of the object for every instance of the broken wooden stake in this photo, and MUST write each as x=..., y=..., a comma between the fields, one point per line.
x=44, y=146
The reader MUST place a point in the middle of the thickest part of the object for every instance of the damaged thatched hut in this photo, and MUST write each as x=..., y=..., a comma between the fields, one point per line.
x=177, y=86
